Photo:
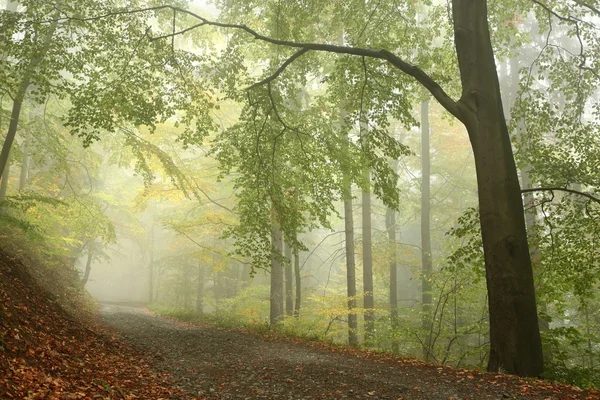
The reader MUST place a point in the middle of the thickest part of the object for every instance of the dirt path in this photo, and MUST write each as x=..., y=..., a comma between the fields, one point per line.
x=223, y=364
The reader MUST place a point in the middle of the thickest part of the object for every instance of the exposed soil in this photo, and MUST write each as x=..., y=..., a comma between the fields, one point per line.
x=225, y=364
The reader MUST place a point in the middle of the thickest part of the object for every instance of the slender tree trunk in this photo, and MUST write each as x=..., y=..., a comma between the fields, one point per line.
x=88, y=268
x=25, y=162
x=350, y=270
x=151, y=266
x=246, y=278
x=186, y=287
x=426, y=260
x=390, y=224
x=289, y=281
x=19, y=96
x=349, y=233
x=4, y=183
x=515, y=344
x=200, y=290
x=369, y=303
x=298, y=283
x=276, y=311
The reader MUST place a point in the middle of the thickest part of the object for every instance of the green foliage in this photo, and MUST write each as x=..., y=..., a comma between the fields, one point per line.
x=181, y=314
x=574, y=356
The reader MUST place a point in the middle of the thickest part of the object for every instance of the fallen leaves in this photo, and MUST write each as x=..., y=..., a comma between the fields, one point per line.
x=48, y=355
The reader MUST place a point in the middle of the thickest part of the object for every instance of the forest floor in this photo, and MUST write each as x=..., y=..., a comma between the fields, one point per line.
x=52, y=347
x=208, y=361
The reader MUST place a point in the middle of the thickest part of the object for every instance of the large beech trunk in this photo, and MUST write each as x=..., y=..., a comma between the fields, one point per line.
x=515, y=345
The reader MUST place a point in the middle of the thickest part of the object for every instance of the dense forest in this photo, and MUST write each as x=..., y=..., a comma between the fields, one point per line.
x=413, y=177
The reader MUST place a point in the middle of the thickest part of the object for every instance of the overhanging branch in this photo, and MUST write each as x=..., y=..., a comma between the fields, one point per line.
x=280, y=70
x=421, y=76
x=559, y=189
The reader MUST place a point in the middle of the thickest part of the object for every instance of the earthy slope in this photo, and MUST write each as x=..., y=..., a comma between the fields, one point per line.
x=47, y=353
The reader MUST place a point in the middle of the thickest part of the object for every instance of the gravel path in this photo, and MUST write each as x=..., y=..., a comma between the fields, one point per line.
x=223, y=364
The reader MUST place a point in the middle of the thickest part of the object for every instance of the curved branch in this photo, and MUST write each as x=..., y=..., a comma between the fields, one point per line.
x=421, y=76
x=571, y=191
x=280, y=70
x=588, y=6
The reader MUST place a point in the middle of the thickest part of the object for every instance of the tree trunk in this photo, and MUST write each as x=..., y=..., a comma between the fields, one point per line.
x=20, y=94
x=151, y=266
x=369, y=303
x=246, y=278
x=4, y=183
x=25, y=162
x=515, y=345
x=426, y=260
x=200, y=290
x=88, y=268
x=289, y=284
x=186, y=287
x=350, y=270
x=390, y=224
x=276, y=309
x=298, y=283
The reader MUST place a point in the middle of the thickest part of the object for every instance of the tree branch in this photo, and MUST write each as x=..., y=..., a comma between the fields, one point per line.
x=572, y=191
x=421, y=76
x=588, y=6
x=280, y=70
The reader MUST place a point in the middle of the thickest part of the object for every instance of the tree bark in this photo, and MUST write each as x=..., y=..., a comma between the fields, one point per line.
x=515, y=345
x=426, y=260
x=151, y=266
x=289, y=281
x=25, y=162
x=390, y=224
x=298, y=283
x=20, y=94
x=369, y=303
x=200, y=290
x=350, y=269
x=276, y=300
x=186, y=286
x=4, y=183
x=246, y=278
x=88, y=268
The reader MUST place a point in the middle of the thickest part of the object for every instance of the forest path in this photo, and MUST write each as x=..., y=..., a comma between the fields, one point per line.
x=223, y=364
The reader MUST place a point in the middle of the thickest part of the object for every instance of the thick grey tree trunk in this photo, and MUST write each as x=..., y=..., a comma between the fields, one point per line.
x=515, y=344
